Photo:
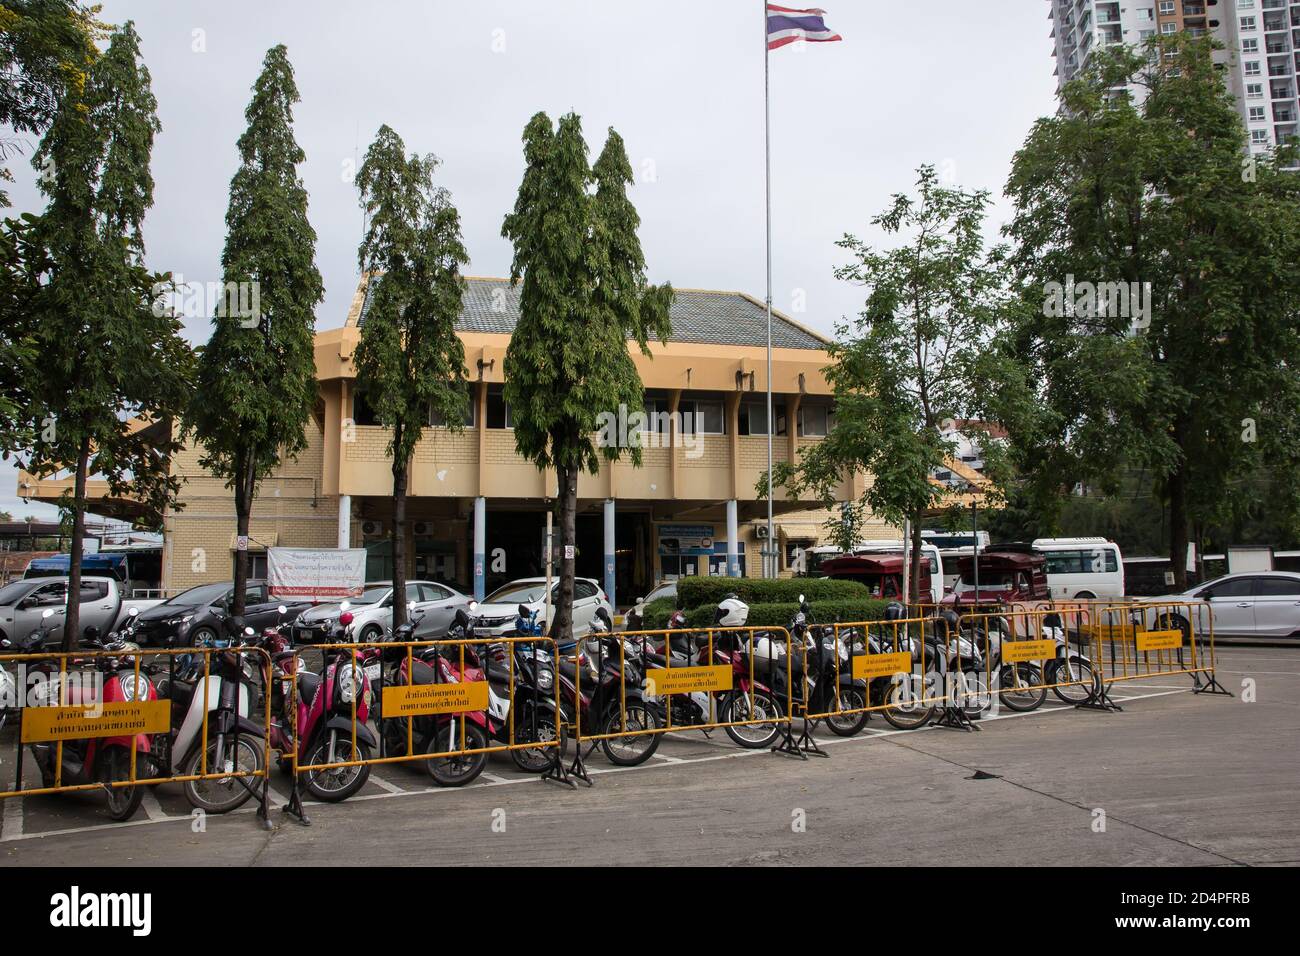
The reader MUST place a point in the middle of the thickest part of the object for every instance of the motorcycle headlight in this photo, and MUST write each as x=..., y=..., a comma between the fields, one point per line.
x=349, y=679
x=133, y=687
x=545, y=679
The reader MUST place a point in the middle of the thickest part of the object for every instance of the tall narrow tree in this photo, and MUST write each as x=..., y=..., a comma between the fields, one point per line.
x=105, y=353
x=584, y=297
x=257, y=374
x=410, y=362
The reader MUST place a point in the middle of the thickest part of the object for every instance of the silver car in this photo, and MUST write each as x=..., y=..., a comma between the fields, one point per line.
x=1258, y=604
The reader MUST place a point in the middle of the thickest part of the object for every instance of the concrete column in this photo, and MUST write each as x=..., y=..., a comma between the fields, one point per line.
x=480, y=548
x=733, y=541
x=345, y=521
x=609, y=551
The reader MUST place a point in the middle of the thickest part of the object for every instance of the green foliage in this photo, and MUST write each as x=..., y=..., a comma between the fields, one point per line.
x=409, y=360
x=778, y=614
x=698, y=591
x=914, y=357
x=584, y=296
x=257, y=375
x=1163, y=195
x=46, y=49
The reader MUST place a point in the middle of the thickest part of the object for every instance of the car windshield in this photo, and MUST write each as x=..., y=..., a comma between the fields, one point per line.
x=525, y=593
x=371, y=595
x=15, y=592
x=990, y=582
x=197, y=597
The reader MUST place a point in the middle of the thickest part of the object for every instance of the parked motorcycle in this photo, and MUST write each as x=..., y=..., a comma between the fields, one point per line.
x=216, y=689
x=746, y=702
x=102, y=760
x=325, y=706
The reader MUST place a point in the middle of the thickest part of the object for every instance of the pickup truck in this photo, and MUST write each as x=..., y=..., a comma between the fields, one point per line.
x=103, y=605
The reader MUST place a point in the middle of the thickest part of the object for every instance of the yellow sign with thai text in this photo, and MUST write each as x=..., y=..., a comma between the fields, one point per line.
x=77, y=722
x=422, y=699
x=1013, y=652
x=1160, y=641
x=688, y=680
x=869, y=666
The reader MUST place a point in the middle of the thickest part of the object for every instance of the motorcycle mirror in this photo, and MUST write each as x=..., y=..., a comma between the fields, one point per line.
x=345, y=605
x=282, y=609
x=47, y=613
x=640, y=601
x=248, y=632
x=473, y=605
x=801, y=598
x=132, y=611
x=410, y=605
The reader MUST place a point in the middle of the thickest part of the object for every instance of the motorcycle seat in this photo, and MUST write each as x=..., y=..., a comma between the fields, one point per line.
x=308, y=684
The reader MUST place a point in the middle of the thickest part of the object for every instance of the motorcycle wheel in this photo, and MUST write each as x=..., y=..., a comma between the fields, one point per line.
x=115, y=764
x=339, y=783
x=849, y=725
x=904, y=710
x=1021, y=699
x=631, y=751
x=738, y=709
x=538, y=759
x=458, y=769
x=1064, y=674
x=224, y=794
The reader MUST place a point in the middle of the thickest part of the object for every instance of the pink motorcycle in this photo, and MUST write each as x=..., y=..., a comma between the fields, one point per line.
x=324, y=718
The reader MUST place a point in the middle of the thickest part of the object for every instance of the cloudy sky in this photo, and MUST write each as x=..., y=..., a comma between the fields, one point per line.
x=946, y=82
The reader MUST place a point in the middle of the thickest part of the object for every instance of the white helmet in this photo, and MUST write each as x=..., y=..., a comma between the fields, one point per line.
x=732, y=612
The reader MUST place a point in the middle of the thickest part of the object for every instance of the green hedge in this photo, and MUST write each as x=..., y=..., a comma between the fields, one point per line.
x=771, y=614
x=694, y=592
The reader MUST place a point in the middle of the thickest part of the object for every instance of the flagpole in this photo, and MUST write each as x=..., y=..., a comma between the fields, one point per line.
x=770, y=564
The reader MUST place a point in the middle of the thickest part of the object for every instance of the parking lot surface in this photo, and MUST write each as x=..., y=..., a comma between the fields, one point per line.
x=1173, y=779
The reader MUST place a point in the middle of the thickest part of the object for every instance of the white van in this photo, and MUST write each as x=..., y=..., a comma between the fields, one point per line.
x=954, y=545
x=1082, y=568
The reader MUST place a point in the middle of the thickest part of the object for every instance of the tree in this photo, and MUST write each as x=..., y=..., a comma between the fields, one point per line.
x=105, y=354
x=410, y=362
x=1158, y=273
x=46, y=47
x=257, y=374
x=912, y=360
x=584, y=296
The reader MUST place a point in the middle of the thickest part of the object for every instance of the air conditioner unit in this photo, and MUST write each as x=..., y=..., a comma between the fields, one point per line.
x=760, y=532
x=422, y=529
x=372, y=528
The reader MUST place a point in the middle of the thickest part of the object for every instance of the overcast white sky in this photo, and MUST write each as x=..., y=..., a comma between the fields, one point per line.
x=946, y=82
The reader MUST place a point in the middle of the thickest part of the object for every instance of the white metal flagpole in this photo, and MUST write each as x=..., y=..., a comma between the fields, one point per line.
x=770, y=563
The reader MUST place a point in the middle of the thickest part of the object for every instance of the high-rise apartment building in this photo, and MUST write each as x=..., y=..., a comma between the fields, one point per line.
x=1261, y=40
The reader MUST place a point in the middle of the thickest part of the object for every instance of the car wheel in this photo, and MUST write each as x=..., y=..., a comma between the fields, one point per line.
x=370, y=634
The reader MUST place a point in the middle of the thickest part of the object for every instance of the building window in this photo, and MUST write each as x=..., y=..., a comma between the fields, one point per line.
x=1168, y=29
x=1252, y=68
x=471, y=410
x=814, y=421
x=498, y=411
x=362, y=413
x=753, y=418
x=1166, y=8
x=1257, y=114
x=1247, y=23
x=1255, y=91
x=1250, y=46
x=700, y=417
x=1259, y=137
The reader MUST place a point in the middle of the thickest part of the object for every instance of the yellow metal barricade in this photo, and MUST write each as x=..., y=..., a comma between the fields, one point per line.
x=1013, y=658
x=629, y=689
x=114, y=720
x=1155, y=639
x=446, y=704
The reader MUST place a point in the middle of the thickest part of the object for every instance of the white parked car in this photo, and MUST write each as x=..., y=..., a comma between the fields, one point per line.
x=372, y=613
x=1263, y=605
x=496, y=615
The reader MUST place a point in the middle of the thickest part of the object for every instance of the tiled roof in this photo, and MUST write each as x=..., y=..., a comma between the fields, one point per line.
x=707, y=318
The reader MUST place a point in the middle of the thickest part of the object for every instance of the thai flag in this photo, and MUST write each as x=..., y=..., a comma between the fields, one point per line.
x=785, y=25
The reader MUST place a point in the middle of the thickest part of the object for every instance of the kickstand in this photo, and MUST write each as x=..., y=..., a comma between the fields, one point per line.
x=294, y=807
x=956, y=718
x=1211, y=685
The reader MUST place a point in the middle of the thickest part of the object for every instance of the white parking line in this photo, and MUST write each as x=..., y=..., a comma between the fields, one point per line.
x=152, y=809
x=13, y=820
x=383, y=784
